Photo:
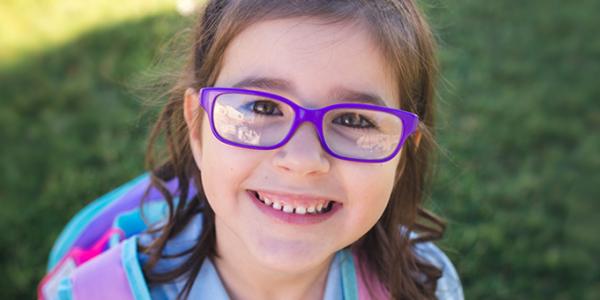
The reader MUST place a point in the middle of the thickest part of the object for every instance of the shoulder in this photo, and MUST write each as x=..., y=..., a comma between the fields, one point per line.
x=117, y=272
x=448, y=286
x=174, y=255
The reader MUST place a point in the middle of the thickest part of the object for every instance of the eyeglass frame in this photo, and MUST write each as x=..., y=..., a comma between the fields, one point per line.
x=302, y=114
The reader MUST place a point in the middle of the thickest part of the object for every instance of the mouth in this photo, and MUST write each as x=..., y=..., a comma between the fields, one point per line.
x=315, y=208
x=295, y=209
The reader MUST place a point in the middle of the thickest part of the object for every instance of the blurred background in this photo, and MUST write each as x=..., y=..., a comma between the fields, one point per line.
x=517, y=177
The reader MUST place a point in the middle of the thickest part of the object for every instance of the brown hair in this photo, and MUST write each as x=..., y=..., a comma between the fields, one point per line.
x=405, y=39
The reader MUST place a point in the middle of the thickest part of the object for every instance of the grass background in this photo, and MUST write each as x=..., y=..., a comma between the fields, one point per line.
x=519, y=117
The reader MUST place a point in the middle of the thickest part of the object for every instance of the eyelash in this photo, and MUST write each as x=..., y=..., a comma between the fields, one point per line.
x=364, y=123
x=253, y=107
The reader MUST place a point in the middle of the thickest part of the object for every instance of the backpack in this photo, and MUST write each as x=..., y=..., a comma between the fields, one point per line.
x=103, y=225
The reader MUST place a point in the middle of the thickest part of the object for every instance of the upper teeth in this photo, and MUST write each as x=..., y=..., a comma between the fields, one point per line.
x=267, y=200
x=289, y=208
x=277, y=205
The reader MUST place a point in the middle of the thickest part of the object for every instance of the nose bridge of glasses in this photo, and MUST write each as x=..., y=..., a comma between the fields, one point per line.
x=303, y=115
x=309, y=115
x=313, y=116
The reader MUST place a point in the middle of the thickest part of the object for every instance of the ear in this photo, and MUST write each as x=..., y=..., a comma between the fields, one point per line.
x=417, y=138
x=191, y=111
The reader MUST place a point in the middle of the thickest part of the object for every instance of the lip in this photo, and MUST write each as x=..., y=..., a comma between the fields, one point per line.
x=291, y=218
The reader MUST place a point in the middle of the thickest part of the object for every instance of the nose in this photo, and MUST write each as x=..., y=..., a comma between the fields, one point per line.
x=302, y=154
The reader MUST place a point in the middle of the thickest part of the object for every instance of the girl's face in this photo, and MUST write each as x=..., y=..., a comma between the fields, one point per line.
x=315, y=64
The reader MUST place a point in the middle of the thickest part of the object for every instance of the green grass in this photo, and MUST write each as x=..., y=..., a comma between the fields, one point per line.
x=30, y=26
x=518, y=116
x=71, y=130
x=519, y=112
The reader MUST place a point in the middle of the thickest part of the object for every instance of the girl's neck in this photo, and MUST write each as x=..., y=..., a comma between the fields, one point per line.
x=247, y=285
x=245, y=279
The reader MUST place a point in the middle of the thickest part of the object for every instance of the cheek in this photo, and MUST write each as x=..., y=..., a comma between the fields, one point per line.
x=369, y=188
x=224, y=169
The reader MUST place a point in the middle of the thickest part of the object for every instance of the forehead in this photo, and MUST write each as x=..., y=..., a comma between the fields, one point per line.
x=316, y=59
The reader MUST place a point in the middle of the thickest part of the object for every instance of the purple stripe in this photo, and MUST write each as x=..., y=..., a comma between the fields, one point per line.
x=130, y=200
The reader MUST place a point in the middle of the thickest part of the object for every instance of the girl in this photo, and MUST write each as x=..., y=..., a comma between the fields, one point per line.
x=298, y=143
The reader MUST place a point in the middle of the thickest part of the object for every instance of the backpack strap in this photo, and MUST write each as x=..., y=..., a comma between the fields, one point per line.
x=90, y=223
x=349, y=275
x=368, y=280
x=354, y=282
x=115, y=274
x=448, y=286
x=94, y=220
x=102, y=224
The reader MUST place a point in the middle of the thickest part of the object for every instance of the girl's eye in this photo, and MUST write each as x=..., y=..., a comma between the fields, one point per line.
x=353, y=120
x=265, y=107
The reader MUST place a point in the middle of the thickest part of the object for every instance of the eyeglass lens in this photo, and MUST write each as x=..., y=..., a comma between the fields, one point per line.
x=260, y=121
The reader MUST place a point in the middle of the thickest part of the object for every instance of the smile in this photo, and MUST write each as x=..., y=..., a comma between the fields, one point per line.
x=318, y=207
x=294, y=209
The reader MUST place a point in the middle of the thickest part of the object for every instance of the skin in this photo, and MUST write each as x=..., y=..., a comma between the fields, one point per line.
x=262, y=257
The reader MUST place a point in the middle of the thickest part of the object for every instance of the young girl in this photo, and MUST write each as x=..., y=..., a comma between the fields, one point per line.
x=298, y=139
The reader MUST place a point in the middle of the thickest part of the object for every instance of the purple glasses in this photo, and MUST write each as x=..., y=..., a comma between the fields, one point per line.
x=264, y=121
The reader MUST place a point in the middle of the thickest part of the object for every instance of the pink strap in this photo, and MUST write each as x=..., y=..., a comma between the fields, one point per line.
x=377, y=288
x=81, y=255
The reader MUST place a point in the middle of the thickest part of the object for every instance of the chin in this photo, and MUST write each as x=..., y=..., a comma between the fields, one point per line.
x=291, y=256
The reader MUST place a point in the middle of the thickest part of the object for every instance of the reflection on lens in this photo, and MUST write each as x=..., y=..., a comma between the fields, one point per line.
x=231, y=125
x=376, y=141
x=239, y=119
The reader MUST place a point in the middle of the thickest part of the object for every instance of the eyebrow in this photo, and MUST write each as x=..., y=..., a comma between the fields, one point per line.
x=265, y=83
x=282, y=85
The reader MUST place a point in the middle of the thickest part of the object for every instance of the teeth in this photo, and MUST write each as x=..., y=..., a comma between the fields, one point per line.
x=267, y=201
x=288, y=208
